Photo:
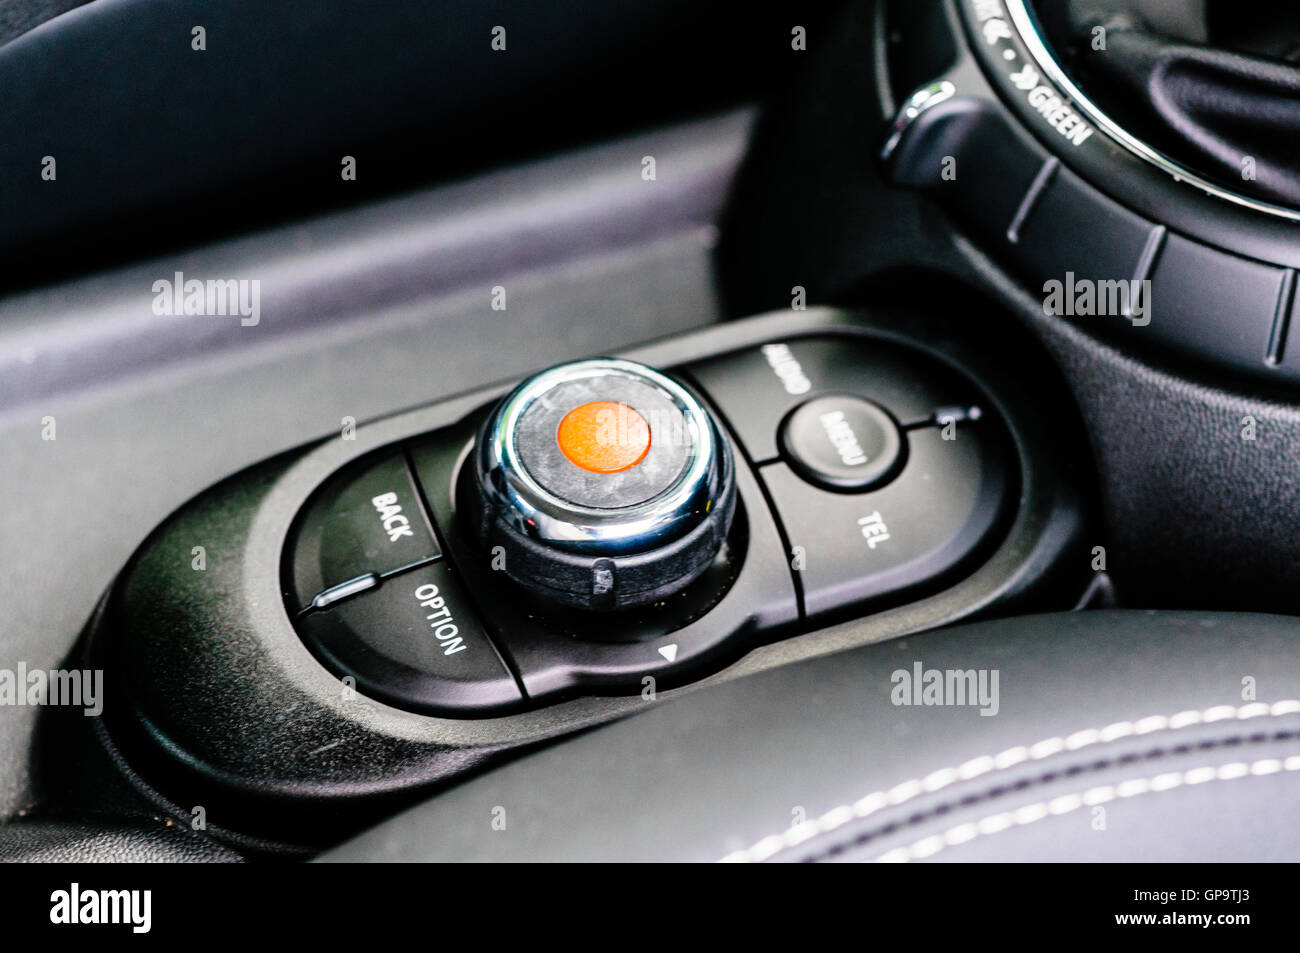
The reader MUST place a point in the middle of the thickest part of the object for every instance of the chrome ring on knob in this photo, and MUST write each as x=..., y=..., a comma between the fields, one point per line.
x=679, y=425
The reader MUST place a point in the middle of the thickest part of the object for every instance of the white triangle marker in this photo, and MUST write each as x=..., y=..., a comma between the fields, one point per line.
x=669, y=651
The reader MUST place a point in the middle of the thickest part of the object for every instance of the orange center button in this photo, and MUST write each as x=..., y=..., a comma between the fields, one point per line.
x=604, y=437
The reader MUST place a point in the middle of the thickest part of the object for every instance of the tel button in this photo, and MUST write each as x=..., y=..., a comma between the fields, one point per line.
x=912, y=533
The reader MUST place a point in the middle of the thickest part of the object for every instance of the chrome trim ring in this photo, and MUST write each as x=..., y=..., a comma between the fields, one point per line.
x=535, y=511
x=1026, y=27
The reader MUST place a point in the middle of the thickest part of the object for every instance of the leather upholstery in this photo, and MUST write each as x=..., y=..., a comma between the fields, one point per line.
x=132, y=840
x=1118, y=735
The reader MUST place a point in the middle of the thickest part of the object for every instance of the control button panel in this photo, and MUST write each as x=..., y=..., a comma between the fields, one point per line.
x=366, y=521
x=416, y=641
x=878, y=475
x=755, y=389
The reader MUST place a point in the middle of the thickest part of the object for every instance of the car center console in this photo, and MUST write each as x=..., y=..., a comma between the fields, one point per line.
x=320, y=638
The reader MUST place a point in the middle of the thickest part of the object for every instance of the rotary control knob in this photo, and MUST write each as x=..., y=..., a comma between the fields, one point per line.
x=603, y=483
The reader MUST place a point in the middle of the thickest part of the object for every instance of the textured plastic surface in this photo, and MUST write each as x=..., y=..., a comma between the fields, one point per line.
x=348, y=79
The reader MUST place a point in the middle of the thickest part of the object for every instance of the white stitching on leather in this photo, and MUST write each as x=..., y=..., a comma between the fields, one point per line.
x=1006, y=820
x=937, y=780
